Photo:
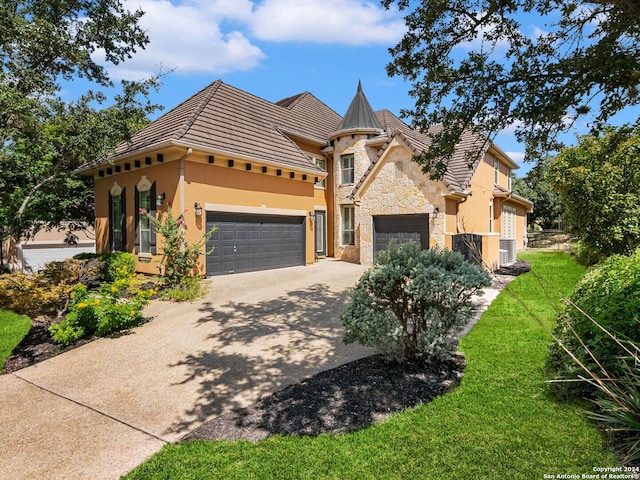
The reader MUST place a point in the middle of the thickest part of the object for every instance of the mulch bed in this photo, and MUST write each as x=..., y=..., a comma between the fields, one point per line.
x=37, y=346
x=344, y=399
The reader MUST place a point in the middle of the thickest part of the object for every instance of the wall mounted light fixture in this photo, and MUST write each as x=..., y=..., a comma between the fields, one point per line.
x=198, y=208
x=312, y=216
x=436, y=211
x=160, y=200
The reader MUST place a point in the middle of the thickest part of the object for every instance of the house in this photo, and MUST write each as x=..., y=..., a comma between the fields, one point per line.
x=292, y=181
x=31, y=254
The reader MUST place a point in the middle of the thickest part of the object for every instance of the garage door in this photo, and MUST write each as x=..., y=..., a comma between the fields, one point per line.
x=244, y=243
x=401, y=228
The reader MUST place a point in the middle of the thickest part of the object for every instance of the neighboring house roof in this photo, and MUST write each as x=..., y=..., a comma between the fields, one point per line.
x=222, y=118
x=360, y=115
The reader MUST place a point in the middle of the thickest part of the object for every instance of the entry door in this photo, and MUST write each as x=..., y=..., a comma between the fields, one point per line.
x=321, y=233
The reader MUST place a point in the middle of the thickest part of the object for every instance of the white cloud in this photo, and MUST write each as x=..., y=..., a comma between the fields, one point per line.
x=188, y=38
x=347, y=22
x=219, y=36
x=517, y=157
x=510, y=130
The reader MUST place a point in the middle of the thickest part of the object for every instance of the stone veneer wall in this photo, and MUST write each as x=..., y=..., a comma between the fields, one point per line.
x=399, y=187
x=361, y=160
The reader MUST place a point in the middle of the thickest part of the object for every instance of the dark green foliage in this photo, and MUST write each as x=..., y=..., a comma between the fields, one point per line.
x=111, y=265
x=43, y=138
x=411, y=304
x=481, y=65
x=608, y=293
x=599, y=185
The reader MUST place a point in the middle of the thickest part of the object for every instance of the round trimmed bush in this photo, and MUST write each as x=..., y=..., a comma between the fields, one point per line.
x=412, y=303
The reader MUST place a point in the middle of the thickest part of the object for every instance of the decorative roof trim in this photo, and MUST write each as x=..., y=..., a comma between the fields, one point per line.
x=202, y=149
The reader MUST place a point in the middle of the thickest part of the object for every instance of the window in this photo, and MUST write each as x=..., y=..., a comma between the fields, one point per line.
x=144, y=225
x=117, y=219
x=145, y=206
x=496, y=172
x=508, y=222
x=348, y=230
x=490, y=216
x=321, y=163
x=346, y=169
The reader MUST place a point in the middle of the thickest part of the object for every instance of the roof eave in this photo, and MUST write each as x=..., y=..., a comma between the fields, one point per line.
x=204, y=149
x=320, y=142
x=248, y=158
x=357, y=130
x=126, y=155
x=504, y=156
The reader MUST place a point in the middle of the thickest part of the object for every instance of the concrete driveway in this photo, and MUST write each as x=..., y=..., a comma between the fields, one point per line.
x=99, y=410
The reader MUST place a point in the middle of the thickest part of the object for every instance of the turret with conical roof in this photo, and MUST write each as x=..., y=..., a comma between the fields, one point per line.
x=360, y=116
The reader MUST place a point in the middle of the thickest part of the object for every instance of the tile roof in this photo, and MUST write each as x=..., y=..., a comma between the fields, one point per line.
x=221, y=118
x=458, y=174
x=225, y=119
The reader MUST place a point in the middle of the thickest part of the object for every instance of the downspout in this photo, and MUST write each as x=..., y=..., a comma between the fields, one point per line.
x=181, y=188
x=458, y=202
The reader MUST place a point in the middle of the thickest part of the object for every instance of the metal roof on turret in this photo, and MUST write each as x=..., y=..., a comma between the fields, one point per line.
x=360, y=115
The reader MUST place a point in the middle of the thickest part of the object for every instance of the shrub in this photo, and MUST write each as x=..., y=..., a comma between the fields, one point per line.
x=179, y=258
x=119, y=265
x=111, y=265
x=186, y=291
x=618, y=409
x=608, y=295
x=32, y=295
x=411, y=304
x=114, y=307
x=46, y=292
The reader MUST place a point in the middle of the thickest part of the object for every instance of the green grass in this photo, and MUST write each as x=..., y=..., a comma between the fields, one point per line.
x=499, y=423
x=13, y=328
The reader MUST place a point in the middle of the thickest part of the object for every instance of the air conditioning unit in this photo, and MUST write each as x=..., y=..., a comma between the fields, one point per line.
x=507, y=251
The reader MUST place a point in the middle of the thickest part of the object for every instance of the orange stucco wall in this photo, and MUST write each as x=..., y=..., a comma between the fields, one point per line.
x=473, y=213
x=208, y=184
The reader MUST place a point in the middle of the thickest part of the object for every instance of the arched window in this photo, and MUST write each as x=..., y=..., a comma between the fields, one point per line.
x=145, y=207
x=117, y=219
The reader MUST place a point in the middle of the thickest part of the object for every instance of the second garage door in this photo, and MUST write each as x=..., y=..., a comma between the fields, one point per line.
x=245, y=242
x=401, y=228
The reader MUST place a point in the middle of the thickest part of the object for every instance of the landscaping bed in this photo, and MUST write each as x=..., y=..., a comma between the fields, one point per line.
x=35, y=347
x=344, y=399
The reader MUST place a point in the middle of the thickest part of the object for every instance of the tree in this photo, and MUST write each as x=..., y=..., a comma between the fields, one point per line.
x=473, y=65
x=412, y=303
x=40, y=188
x=536, y=187
x=599, y=186
x=44, y=139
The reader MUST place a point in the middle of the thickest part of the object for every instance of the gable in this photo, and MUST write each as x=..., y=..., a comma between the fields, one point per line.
x=396, y=172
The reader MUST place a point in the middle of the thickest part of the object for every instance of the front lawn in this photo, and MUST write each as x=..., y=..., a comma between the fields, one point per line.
x=13, y=328
x=499, y=423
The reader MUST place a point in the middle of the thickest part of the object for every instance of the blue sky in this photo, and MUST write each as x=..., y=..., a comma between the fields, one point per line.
x=275, y=49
